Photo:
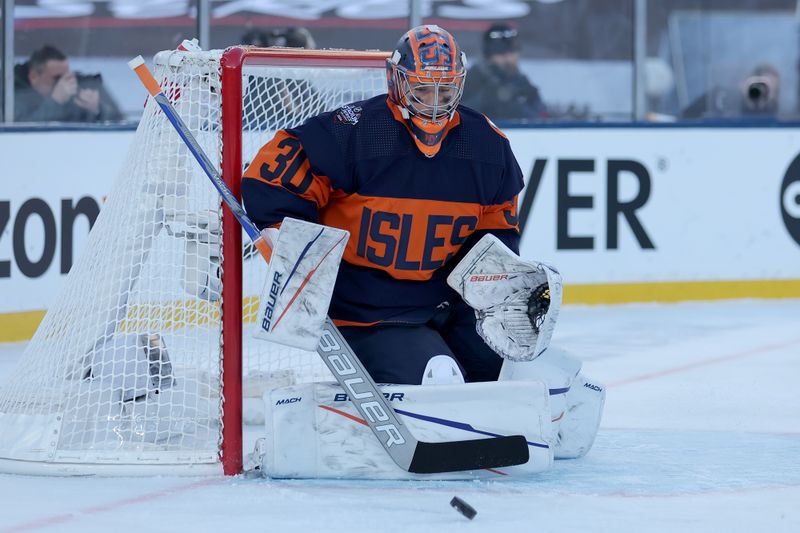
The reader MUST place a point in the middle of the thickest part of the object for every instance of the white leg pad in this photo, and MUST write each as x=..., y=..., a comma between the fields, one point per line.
x=578, y=428
x=556, y=367
x=313, y=431
x=576, y=403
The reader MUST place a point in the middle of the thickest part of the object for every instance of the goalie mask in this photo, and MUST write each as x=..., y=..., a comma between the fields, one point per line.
x=425, y=76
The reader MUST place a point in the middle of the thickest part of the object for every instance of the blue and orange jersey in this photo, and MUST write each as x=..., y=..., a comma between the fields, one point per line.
x=410, y=217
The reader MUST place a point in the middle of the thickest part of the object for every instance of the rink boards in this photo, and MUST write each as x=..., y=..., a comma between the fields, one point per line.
x=626, y=213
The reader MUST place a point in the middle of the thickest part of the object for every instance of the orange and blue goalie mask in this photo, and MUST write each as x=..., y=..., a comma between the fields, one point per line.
x=426, y=80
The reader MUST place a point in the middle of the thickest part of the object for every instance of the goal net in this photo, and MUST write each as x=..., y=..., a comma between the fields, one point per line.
x=137, y=367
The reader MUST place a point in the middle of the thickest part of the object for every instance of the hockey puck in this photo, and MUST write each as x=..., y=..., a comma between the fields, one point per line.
x=463, y=507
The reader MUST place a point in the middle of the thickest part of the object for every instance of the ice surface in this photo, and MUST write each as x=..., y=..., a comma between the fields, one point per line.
x=701, y=433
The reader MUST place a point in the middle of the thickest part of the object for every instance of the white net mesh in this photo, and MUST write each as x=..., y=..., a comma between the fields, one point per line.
x=125, y=369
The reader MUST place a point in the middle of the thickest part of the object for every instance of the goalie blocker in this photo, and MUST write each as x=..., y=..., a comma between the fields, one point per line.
x=299, y=283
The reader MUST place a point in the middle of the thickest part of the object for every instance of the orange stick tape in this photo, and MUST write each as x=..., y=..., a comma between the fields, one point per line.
x=263, y=247
x=140, y=68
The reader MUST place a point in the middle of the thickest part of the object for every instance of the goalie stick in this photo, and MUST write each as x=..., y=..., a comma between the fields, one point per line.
x=401, y=445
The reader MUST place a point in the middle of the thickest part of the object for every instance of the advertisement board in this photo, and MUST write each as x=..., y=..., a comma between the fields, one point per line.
x=709, y=209
x=625, y=213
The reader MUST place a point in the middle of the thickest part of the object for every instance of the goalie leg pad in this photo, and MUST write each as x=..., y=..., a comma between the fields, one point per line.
x=313, y=431
x=576, y=403
x=584, y=409
x=201, y=261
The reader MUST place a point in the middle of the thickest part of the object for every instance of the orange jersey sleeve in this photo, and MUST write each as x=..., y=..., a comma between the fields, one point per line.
x=283, y=163
x=501, y=216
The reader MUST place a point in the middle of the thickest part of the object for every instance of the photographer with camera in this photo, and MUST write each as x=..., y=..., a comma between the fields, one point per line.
x=754, y=97
x=760, y=91
x=46, y=90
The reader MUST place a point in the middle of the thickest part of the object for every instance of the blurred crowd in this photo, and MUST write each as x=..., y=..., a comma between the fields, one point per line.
x=512, y=79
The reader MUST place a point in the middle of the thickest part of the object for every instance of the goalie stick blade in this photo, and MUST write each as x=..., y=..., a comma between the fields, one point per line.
x=455, y=456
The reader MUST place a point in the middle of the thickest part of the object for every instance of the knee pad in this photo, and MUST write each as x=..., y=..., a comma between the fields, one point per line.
x=442, y=370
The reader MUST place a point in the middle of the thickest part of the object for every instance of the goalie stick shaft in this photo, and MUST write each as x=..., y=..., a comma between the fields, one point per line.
x=401, y=445
x=152, y=86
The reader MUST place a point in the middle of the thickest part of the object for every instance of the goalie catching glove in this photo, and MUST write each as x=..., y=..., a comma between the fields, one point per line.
x=516, y=302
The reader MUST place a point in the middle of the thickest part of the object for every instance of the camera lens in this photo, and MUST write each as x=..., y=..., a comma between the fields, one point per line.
x=757, y=91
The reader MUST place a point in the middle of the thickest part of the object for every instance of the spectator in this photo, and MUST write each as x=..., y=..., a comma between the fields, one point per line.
x=291, y=37
x=496, y=86
x=299, y=99
x=255, y=37
x=46, y=90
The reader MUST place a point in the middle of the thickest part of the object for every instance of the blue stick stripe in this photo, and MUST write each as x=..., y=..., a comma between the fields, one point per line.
x=207, y=166
x=460, y=425
x=553, y=392
x=299, y=259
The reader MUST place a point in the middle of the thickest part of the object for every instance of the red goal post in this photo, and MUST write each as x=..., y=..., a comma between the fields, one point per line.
x=232, y=63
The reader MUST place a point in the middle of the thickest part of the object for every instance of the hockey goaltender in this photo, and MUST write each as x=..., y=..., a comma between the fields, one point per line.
x=397, y=218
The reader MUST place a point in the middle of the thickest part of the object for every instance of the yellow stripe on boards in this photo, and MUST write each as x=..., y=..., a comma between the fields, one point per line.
x=140, y=317
x=680, y=291
x=22, y=325
x=19, y=326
